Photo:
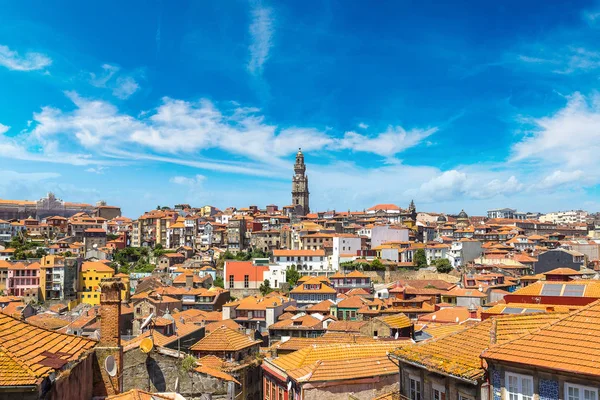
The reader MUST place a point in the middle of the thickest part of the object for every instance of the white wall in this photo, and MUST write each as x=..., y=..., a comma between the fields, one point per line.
x=384, y=233
x=343, y=245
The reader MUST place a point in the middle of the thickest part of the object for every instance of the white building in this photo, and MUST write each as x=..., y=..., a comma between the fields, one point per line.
x=385, y=233
x=307, y=262
x=508, y=213
x=463, y=251
x=565, y=217
x=344, y=245
x=275, y=275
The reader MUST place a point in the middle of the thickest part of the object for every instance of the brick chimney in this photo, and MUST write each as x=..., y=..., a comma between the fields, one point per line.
x=472, y=311
x=110, y=339
x=189, y=280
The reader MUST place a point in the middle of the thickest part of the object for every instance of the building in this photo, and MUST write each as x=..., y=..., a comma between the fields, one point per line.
x=36, y=363
x=381, y=234
x=307, y=262
x=243, y=278
x=343, y=246
x=93, y=239
x=343, y=283
x=566, y=217
x=92, y=273
x=236, y=234
x=59, y=278
x=257, y=312
x=558, y=258
x=463, y=251
x=24, y=279
x=227, y=344
x=45, y=207
x=558, y=361
x=300, y=193
x=313, y=290
x=450, y=367
x=505, y=213
x=332, y=372
x=300, y=325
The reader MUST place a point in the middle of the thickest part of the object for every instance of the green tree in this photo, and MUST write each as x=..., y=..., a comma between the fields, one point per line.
x=377, y=265
x=39, y=253
x=292, y=276
x=443, y=265
x=219, y=282
x=68, y=254
x=420, y=259
x=265, y=287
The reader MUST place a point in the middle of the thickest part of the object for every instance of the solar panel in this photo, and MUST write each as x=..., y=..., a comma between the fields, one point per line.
x=574, y=290
x=512, y=310
x=551, y=289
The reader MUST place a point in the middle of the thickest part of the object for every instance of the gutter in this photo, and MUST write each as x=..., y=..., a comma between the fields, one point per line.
x=414, y=364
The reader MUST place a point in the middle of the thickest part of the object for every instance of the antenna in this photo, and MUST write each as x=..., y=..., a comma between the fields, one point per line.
x=110, y=366
x=147, y=321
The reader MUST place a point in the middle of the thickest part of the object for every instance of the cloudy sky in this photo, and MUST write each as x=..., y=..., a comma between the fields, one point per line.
x=144, y=103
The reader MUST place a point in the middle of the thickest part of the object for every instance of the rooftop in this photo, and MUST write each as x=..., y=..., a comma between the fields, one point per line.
x=224, y=339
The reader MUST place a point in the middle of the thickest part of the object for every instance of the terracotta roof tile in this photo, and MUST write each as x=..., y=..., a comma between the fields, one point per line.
x=224, y=339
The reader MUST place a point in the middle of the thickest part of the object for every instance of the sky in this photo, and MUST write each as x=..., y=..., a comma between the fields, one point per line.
x=457, y=105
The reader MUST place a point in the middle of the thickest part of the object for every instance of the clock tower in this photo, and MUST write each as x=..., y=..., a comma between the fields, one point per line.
x=300, y=192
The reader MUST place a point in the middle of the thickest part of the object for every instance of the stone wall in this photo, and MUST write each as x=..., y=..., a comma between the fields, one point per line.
x=75, y=383
x=392, y=276
x=360, y=389
x=159, y=370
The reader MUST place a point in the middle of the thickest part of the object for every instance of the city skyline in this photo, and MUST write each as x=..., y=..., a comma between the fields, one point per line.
x=207, y=104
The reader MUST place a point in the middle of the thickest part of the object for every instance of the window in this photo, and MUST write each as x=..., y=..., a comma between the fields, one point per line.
x=439, y=392
x=230, y=281
x=578, y=392
x=464, y=397
x=415, y=388
x=519, y=387
x=246, y=281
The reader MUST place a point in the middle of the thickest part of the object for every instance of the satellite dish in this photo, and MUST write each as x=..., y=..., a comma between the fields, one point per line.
x=289, y=386
x=396, y=335
x=95, y=245
x=110, y=366
x=146, y=345
x=146, y=321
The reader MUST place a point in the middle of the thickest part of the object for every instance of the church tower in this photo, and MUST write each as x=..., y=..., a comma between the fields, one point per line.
x=300, y=185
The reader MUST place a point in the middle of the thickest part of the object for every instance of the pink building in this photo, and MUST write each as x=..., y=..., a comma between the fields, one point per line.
x=22, y=277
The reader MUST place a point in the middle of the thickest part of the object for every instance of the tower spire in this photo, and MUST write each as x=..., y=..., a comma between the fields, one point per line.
x=300, y=194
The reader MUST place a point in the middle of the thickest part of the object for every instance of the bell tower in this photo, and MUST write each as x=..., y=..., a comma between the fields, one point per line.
x=300, y=194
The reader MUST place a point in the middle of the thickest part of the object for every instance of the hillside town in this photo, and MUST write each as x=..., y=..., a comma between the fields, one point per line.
x=287, y=302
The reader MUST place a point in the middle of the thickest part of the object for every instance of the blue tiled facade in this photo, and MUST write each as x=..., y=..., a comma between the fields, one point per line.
x=548, y=389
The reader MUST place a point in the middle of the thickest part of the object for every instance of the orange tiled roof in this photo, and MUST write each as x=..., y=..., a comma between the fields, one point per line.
x=570, y=344
x=458, y=354
x=137, y=394
x=396, y=321
x=29, y=353
x=297, y=343
x=336, y=362
x=229, y=323
x=96, y=266
x=563, y=271
x=224, y=339
x=47, y=321
x=592, y=288
x=345, y=326
x=320, y=307
x=303, y=322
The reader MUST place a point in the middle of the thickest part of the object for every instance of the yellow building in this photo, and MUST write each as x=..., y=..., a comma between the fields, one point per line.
x=92, y=272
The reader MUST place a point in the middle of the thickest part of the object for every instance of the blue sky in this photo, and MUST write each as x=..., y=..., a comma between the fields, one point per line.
x=475, y=105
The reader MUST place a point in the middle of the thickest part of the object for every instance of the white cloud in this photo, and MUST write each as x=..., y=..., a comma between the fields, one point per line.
x=362, y=125
x=566, y=60
x=125, y=87
x=122, y=86
x=180, y=128
x=560, y=178
x=570, y=137
x=30, y=61
x=387, y=144
x=183, y=180
x=96, y=170
x=4, y=129
x=261, y=33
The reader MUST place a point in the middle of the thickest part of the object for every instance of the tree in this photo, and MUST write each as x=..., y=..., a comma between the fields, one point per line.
x=265, y=287
x=219, y=282
x=377, y=265
x=420, y=259
x=443, y=265
x=68, y=254
x=292, y=276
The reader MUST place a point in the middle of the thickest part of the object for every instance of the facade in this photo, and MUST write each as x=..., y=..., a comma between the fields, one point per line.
x=236, y=234
x=506, y=213
x=558, y=258
x=385, y=233
x=300, y=193
x=307, y=262
x=313, y=290
x=45, y=207
x=549, y=364
x=463, y=251
x=257, y=312
x=243, y=278
x=93, y=239
x=92, y=273
x=565, y=217
x=24, y=279
x=346, y=245
x=343, y=283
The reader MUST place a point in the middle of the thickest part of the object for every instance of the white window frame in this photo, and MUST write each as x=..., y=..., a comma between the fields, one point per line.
x=581, y=389
x=519, y=395
x=438, y=391
x=418, y=387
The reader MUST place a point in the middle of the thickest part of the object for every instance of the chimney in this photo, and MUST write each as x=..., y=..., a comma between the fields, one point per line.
x=493, y=332
x=472, y=311
x=549, y=308
x=109, y=382
x=189, y=280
